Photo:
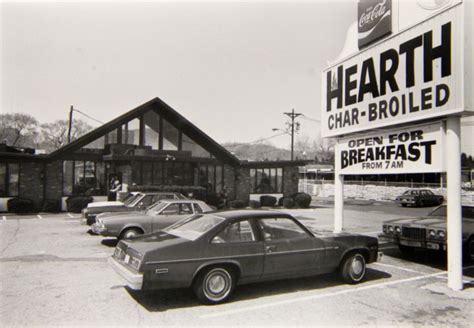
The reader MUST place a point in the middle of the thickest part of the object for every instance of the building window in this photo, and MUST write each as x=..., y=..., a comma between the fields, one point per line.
x=194, y=148
x=9, y=179
x=266, y=180
x=170, y=136
x=83, y=178
x=211, y=177
x=152, y=129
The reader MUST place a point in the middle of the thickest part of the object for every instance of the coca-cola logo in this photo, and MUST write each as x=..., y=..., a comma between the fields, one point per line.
x=373, y=14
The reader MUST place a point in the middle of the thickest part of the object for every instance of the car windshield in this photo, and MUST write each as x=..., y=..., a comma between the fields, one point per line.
x=131, y=199
x=193, y=227
x=440, y=211
x=156, y=208
x=467, y=212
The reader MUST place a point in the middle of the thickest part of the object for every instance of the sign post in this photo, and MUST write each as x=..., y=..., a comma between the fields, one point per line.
x=338, y=196
x=454, y=225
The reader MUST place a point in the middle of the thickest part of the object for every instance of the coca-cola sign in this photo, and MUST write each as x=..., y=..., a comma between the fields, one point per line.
x=374, y=20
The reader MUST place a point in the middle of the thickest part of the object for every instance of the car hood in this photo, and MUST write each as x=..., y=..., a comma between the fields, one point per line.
x=426, y=221
x=104, y=204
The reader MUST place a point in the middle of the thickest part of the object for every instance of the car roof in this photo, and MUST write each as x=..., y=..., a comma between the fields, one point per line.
x=181, y=201
x=159, y=193
x=231, y=214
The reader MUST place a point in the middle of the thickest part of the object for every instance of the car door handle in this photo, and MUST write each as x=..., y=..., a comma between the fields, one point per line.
x=269, y=249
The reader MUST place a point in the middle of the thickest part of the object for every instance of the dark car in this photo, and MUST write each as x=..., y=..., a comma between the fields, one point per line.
x=156, y=217
x=429, y=232
x=136, y=202
x=419, y=197
x=214, y=252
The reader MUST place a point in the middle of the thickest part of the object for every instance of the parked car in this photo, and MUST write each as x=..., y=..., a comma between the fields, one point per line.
x=138, y=201
x=157, y=217
x=214, y=252
x=419, y=197
x=429, y=232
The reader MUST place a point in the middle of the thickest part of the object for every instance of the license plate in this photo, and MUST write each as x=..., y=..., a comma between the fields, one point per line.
x=127, y=257
x=432, y=246
x=410, y=243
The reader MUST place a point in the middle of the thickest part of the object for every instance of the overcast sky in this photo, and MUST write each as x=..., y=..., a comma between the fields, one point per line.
x=232, y=68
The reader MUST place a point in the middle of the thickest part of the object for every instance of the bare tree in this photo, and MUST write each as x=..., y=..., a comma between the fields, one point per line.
x=324, y=150
x=18, y=129
x=54, y=134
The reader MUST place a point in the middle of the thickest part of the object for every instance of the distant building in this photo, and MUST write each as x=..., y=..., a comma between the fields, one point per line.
x=152, y=145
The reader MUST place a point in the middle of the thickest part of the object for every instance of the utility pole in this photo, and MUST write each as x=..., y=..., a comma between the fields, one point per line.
x=293, y=115
x=70, y=125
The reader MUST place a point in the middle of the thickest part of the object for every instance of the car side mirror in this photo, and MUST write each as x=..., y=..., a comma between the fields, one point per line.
x=267, y=236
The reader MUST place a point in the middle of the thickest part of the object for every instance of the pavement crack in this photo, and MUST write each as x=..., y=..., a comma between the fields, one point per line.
x=13, y=238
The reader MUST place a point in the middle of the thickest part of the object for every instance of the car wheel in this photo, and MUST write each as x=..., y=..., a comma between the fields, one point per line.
x=404, y=205
x=214, y=285
x=353, y=268
x=130, y=233
x=406, y=250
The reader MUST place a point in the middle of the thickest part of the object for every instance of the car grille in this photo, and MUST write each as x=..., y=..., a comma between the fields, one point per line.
x=415, y=233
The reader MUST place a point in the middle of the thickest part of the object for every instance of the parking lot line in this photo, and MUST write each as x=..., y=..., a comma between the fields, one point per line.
x=4, y=218
x=399, y=268
x=39, y=217
x=70, y=215
x=318, y=296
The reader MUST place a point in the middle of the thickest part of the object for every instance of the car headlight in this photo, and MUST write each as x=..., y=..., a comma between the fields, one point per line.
x=432, y=233
x=398, y=229
x=441, y=234
x=390, y=229
x=384, y=228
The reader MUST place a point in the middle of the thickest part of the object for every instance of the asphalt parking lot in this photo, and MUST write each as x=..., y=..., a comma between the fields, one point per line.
x=54, y=273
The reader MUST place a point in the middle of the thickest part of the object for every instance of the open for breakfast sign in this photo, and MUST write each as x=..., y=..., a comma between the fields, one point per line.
x=405, y=150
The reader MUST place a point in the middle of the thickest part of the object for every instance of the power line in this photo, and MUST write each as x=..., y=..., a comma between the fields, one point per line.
x=90, y=117
x=306, y=117
x=255, y=141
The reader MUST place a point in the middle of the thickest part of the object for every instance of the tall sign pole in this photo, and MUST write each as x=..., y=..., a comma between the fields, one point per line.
x=453, y=151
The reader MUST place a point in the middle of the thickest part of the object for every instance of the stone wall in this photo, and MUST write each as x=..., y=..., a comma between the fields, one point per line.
x=243, y=184
x=54, y=180
x=31, y=182
x=290, y=180
x=229, y=181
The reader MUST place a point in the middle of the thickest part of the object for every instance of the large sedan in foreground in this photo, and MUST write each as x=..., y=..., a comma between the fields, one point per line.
x=214, y=252
x=429, y=232
x=157, y=217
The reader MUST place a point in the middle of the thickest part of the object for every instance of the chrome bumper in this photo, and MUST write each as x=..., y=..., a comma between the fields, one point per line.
x=98, y=229
x=133, y=280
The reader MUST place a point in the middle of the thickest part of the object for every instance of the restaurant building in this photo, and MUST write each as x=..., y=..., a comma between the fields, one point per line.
x=151, y=145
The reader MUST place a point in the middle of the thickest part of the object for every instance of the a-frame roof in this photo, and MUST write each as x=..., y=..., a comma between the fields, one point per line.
x=168, y=113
